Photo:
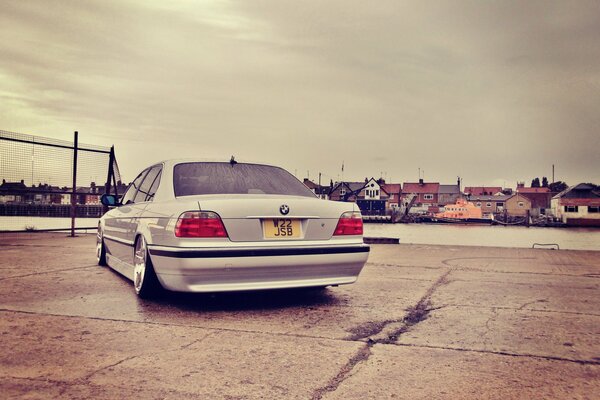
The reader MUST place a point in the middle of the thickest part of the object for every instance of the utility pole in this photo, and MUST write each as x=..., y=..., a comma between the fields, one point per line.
x=552, y=173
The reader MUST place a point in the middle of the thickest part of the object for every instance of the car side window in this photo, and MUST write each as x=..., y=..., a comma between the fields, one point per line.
x=130, y=194
x=145, y=193
x=154, y=186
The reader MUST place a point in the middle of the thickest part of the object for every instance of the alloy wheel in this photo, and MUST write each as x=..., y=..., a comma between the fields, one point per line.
x=139, y=263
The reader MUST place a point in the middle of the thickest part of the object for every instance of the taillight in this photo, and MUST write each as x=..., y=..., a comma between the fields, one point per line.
x=350, y=223
x=204, y=224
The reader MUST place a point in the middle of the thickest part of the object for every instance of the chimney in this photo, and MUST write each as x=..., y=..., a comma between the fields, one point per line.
x=421, y=181
x=22, y=181
x=520, y=185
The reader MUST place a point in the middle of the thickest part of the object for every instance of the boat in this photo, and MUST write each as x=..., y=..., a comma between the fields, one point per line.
x=462, y=212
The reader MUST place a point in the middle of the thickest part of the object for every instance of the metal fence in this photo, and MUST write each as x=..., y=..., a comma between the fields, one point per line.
x=53, y=185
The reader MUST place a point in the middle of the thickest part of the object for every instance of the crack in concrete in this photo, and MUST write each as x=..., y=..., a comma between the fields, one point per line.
x=6, y=245
x=518, y=309
x=403, y=266
x=447, y=261
x=532, y=302
x=495, y=271
x=501, y=353
x=370, y=328
x=361, y=356
x=34, y=379
x=129, y=358
x=487, y=339
x=104, y=368
x=419, y=312
x=193, y=342
x=415, y=315
x=593, y=286
x=493, y=317
x=207, y=328
x=48, y=272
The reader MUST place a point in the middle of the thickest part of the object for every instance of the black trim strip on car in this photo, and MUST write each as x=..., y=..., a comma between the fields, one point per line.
x=257, y=252
x=122, y=241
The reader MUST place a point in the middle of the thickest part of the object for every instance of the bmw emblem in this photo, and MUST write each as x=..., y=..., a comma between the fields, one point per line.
x=284, y=209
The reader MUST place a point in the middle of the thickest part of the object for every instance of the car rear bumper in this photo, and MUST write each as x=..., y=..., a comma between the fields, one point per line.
x=222, y=269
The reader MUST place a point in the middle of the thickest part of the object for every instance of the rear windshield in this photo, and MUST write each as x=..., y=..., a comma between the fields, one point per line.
x=223, y=178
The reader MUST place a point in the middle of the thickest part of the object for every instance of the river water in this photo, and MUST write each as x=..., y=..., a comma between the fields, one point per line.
x=462, y=235
x=484, y=235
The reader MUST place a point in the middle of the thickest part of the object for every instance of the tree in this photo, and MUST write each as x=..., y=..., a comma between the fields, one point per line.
x=558, y=186
x=535, y=182
x=544, y=182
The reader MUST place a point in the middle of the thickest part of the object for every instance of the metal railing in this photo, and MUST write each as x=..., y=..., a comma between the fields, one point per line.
x=50, y=184
x=552, y=246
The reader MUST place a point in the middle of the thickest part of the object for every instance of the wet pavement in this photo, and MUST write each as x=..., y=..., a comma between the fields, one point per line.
x=421, y=322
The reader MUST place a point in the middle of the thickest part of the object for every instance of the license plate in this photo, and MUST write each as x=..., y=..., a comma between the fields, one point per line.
x=281, y=228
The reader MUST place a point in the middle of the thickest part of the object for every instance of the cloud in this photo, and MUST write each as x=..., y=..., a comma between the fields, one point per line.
x=470, y=88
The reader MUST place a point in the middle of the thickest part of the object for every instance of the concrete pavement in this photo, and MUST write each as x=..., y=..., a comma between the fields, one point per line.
x=421, y=322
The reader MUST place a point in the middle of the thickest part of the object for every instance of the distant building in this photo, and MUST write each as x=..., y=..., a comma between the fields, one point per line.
x=346, y=191
x=310, y=184
x=19, y=193
x=394, y=191
x=87, y=195
x=320, y=191
x=518, y=205
x=490, y=204
x=540, y=198
x=372, y=198
x=426, y=194
x=448, y=194
x=482, y=190
x=13, y=192
x=578, y=205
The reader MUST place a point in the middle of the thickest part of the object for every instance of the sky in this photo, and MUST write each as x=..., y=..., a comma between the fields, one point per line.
x=493, y=92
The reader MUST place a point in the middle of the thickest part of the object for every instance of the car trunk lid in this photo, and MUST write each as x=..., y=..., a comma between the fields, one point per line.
x=256, y=218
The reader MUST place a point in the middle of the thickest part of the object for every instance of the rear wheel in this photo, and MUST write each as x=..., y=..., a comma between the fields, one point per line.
x=145, y=281
x=100, y=249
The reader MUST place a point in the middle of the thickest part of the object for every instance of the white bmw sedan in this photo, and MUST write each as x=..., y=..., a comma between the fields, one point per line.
x=194, y=226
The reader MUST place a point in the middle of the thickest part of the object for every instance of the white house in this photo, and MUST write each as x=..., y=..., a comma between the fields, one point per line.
x=372, y=190
x=578, y=205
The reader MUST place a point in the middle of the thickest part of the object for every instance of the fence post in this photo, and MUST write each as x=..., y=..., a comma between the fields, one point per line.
x=107, y=185
x=74, y=193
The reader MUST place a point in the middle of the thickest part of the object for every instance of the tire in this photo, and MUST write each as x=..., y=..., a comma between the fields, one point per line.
x=145, y=282
x=100, y=249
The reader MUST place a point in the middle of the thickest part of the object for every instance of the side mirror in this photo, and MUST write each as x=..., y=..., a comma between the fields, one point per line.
x=109, y=200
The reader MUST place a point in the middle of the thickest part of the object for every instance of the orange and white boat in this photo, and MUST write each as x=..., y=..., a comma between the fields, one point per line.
x=461, y=211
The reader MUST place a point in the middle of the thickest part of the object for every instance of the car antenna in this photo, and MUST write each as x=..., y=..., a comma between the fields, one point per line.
x=232, y=161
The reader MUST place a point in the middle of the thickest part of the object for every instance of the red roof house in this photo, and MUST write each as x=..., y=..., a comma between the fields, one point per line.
x=427, y=193
x=482, y=190
x=395, y=191
x=540, y=196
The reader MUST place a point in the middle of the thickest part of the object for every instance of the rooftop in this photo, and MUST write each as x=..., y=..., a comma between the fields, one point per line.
x=416, y=187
